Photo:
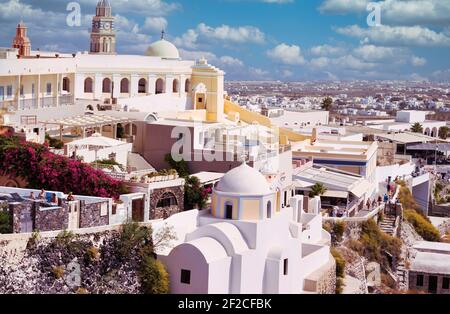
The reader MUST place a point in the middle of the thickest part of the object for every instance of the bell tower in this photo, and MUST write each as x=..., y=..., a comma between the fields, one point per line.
x=103, y=35
x=21, y=41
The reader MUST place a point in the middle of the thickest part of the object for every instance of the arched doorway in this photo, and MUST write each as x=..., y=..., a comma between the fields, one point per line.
x=106, y=86
x=175, y=87
x=434, y=132
x=124, y=86
x=159, y=88
x=88, y=82
x=142, y=87
x=187, y=86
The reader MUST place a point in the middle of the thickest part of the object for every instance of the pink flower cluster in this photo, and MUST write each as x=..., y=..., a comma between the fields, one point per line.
x=43, y=169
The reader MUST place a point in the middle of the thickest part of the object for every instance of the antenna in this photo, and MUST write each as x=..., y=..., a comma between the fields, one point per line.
x=162, y=34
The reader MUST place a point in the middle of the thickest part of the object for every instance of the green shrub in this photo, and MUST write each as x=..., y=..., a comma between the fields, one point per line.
x=92, y=254
x=338, y=230
x=374, y=242
x=413, y=214
x=194, y=194
x=65, y=237
x=154, y=277
x=53, y=142
x=5, y=222
x=422, y=225
x=58, y=271
x=81, y=291
x=134, y=237
x=35, y=237
x=340, y=263
x=180, y=166
x=339, y=285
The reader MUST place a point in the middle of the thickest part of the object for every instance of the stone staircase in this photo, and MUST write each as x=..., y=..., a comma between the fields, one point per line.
x=388, y=225
x=402, y=276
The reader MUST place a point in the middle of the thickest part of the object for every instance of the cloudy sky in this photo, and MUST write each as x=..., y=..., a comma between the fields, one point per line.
x=262, y=39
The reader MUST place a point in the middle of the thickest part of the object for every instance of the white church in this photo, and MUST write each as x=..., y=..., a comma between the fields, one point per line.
x=248, y=244
x=47, y=85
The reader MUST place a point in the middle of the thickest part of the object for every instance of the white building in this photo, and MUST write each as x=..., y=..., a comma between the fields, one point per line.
x=247, y=243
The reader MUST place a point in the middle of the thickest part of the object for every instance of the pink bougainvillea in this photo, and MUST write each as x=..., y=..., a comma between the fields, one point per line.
x=43, y=169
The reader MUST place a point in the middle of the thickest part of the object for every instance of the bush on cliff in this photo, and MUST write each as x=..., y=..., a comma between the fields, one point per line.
x=154, y=277
x=413, y=214
x=5, y=222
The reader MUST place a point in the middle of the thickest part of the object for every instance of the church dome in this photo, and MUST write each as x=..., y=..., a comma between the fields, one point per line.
x=244, y=180
x=163, y=49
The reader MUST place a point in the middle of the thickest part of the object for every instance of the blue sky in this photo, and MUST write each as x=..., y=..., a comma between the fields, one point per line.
x=263, y=39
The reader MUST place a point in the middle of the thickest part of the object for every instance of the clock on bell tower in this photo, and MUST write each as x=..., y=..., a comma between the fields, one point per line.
x=103, y=36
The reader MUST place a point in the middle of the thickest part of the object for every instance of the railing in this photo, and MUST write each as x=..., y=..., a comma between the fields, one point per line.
x=66, y=100
x=370, y=215
x=47, y=102
x=10, y=105
x=33, y=103
x=28, y=104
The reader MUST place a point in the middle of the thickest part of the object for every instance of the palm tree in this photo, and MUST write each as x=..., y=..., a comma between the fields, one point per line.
x=417, y=128
x=327, y=104
x=443, y=132
x=317, y=189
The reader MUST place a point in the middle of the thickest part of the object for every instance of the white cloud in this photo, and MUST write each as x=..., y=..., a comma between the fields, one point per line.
x=230, y=61
x=155, y=24
x=321, y=62
x=203, y=33
x=187, y=40
x=139, y=7
x=418, y=61
x=343, y=6
x=396, y=12
x=327, y=50
x=378, y=53
x=441, y=75
x=286, y=73
x=286, y=54
x=240, y=34
x=397, y=35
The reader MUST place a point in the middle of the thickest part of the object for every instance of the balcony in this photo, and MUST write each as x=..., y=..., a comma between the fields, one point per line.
x=44, y=102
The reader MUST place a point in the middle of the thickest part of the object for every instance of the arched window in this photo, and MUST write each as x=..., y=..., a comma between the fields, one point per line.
x=167, y=200
x=187, y=86
x=142, y=88
x=124, y=85
x=175, y=88
x=106, y=85
x=66, y=84
x=159, y=88
x=88, y=85
x=269, y=209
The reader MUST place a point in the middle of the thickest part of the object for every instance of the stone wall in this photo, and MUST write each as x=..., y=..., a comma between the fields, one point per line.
x=15, y=210
x=90, y=215
x=323, y=280
x=53, y=218
x=166, y=212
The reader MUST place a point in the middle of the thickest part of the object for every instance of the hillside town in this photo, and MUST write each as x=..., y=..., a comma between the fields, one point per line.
x=152, y=174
